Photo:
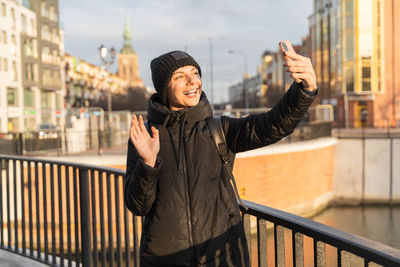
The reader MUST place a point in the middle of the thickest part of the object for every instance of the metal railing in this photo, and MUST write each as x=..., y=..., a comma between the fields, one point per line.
x=297, y=241
x=64, y=214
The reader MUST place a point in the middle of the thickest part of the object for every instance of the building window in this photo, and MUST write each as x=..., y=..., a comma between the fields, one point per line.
x=366, y=73
x=5, y=64
x=46, y=77
x=45, y=54
x=55, y=36
x=24, y=24
x=12, y=98
x=15, y=71
x=349, y=77
x=45, y=99
x=32, y=28
x=30, y=72
x=13, y=45
x=29, y=48
x=53, y=14
x=13, y=18
x=55, y=57
x=58, y=101
x=4, y=9
x=5, y=37
x=45, y=32
x=29, y=98
x=44, y=9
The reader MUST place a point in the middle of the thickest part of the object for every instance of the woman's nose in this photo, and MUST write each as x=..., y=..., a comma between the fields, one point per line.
x=191, y=79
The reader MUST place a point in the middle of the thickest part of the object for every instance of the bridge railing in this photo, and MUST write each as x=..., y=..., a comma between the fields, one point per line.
x=65, y=214
x=297, y=241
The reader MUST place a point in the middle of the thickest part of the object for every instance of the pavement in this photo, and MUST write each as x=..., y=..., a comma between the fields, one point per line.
x=8, y=259
x=115, y=157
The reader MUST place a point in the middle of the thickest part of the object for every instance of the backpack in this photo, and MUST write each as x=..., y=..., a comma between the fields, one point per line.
x=217, y=133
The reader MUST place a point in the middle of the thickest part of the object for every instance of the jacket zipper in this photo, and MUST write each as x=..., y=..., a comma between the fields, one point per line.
x=189, y=215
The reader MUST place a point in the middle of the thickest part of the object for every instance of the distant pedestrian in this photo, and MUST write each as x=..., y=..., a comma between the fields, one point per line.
x=175, y=176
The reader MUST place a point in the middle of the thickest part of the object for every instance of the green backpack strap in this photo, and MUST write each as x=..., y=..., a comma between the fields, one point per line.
x=215, y=126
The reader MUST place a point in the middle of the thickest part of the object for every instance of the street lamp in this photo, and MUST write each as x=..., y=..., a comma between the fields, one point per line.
x=244, y=76
x=108, y=57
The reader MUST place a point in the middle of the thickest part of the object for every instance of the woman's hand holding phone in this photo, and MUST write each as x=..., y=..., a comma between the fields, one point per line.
x=300, y=68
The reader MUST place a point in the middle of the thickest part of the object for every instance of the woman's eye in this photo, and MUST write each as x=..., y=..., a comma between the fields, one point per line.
x=178, y=77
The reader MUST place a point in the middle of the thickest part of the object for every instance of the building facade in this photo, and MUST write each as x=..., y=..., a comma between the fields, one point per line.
x=354, y=47
x=87, y=84
x=246, y=94
x=17, y=48
x=50, y=66
x=31, y=48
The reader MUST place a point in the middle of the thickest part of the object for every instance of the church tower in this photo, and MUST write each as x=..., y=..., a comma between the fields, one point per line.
x=128, y=66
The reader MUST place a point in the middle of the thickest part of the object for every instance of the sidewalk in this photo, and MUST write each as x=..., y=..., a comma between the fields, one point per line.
x=111, y=157
x=8, y=259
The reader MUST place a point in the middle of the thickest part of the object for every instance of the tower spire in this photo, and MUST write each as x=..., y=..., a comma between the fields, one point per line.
x=127, y=49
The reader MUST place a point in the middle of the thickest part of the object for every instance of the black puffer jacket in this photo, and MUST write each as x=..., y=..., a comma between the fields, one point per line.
x=191, y=214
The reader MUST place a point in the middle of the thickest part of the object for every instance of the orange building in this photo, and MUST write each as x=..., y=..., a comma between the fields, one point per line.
x=386, y=108
x=355, y=51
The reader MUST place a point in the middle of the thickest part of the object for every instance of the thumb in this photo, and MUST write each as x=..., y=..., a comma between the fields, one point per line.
x=155, y=132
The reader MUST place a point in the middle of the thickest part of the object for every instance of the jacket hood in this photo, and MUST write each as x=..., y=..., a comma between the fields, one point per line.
x=160, y=114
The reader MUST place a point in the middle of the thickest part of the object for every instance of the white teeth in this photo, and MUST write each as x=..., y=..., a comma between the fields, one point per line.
x=190, y=92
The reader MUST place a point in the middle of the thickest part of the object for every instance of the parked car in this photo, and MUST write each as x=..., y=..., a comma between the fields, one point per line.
x=48, y=131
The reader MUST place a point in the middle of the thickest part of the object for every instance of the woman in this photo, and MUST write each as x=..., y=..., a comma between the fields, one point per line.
x=175, y=177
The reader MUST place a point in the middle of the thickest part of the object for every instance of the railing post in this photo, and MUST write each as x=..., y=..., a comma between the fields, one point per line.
x=85, y=217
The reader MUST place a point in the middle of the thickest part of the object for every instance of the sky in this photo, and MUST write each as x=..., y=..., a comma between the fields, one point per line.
x=158, y=26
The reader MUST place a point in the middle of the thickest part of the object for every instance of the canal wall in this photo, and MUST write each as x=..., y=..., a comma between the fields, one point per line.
x=304, y=177
x=294, y=177
x=367, y=170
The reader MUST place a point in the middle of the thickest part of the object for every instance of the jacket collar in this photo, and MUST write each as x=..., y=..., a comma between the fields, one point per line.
x=160, y=114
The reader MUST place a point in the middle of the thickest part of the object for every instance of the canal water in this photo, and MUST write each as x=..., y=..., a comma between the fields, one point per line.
x=379, y=223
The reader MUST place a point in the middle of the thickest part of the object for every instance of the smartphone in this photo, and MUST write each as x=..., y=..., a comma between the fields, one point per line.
x=286, y=46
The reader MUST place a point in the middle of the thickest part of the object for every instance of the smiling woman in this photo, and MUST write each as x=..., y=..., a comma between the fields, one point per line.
x=184, y=89
x=175, y=176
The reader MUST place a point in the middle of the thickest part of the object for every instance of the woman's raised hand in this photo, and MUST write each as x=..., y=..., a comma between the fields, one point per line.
x=146, y=146
x=300, y=68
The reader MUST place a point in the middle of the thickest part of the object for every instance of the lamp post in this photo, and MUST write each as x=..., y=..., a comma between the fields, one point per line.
x=108, y=57
x=210, y=50
x=244, y=76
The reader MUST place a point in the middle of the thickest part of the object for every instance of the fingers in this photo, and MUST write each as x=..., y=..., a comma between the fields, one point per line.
x=297, y=69
x=133, y=132
x=310, y=83
x=297, y=64
x=155, y=132
x=303, y=67
x=295, y=56
x=142, y=127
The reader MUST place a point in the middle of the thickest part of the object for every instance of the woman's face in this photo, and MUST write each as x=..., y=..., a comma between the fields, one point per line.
x=184, y=88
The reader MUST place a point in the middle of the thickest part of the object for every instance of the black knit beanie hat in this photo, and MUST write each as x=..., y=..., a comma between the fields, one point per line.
x=163, y=67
